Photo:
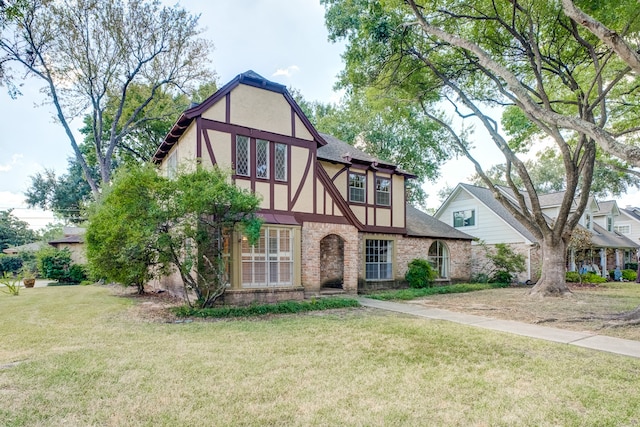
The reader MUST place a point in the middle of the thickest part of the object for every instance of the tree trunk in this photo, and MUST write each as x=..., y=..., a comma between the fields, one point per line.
x=552, y=281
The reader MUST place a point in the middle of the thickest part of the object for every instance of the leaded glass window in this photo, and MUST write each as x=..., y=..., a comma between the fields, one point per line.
x=281, y=162
x=262, y=158
x=356, y=187
x=242, y=155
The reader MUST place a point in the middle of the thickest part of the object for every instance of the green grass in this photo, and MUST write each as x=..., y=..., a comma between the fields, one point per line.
x=287, y=307
x=409, y=294
x=84, y=359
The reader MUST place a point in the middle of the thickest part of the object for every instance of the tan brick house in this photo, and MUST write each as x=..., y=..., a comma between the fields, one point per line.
x=335, y=217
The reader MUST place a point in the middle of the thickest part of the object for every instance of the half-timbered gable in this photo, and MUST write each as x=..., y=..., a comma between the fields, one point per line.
x=333, y=214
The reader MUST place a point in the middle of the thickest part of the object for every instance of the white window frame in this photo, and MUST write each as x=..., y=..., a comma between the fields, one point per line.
x=248, y=156
x=440, y=261
x=361, y=178
x=474, y=212
x=619, y=228
x=260, y=145
x=276, y=162
x=274, y=259
x=379, y=192
x=374, y=266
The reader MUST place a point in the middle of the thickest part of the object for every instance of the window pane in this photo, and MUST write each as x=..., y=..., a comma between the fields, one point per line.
x=262, y=158
x=356, y=188
x=242, y=155
x=281, y=162
x=383, y=191
x=378, y=259
x=464, y=218
x=270, y=262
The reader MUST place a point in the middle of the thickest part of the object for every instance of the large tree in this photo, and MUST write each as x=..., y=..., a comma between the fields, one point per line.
x=91, y=55
x=13, y=231
x=394, y=132
x=527, y=54
x=145, y=226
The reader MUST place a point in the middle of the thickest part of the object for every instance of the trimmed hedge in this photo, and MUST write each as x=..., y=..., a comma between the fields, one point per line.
x=286, y=307
x=409, y=294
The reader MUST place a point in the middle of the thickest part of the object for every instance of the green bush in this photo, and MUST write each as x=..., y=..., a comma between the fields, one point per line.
x=572, y=277
x=286, y=307
x=629, y=275
x=10, y=264
x=76, y=274
x=56, y=264
x=631, y=266
x=501, y=276
x=592, y=278
x=480, y=278
x=420, y=274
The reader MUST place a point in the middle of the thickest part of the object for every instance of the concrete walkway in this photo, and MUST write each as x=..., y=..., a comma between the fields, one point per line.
x=580, y=339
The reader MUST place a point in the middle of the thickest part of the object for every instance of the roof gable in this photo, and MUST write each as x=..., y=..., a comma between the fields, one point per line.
x=249, y=78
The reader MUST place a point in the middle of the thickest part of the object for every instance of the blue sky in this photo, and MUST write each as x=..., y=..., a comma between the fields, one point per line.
x=283, y=40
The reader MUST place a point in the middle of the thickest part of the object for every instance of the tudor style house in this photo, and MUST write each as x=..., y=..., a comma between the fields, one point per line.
x=475, y=211
x=334, y=216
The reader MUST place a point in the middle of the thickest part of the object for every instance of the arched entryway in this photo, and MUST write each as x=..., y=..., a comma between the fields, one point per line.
x=332, y=262
x=439, y=257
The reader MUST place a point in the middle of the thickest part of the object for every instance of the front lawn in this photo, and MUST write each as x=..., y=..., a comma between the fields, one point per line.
x=80, y=356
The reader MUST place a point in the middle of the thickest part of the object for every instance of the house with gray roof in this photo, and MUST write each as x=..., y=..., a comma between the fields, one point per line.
x=628, y=225
x=474, y=210
x=334, y=216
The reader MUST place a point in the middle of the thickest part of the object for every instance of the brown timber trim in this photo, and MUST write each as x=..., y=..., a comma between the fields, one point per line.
x=384, y=230
x=307, y=168
x=227, y=108
x=199, y=132
x=258, y=134
x=207, y=142
x=324, y=178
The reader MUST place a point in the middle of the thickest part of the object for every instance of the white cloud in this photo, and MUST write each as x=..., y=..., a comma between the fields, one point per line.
x=287, y=72
x=14, y=161
x=36, y=218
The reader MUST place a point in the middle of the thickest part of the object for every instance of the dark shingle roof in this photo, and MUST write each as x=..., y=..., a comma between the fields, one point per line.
x=632, y=212
x=338, y=151
x=602, y=238
x=486, y=197
x=419, y=224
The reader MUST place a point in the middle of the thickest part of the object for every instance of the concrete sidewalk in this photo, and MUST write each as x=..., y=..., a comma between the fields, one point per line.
x=580, y=339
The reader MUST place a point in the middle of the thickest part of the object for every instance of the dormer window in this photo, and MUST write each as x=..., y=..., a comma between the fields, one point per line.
x=587, y=221
x=609, y=223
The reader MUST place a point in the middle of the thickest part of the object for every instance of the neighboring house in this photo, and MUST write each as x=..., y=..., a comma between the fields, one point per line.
x=335, y=217
x=475, y=211
x=29, y=247
x=628, y=224
x=73, y=240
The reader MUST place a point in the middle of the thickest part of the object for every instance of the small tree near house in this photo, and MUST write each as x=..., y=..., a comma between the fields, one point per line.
x=147, y=226
x=502, y=263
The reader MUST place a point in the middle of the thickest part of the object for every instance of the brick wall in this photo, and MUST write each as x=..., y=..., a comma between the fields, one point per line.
x=312, y=235
x=481, y=264
x=332, y=261
x=410, y=248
